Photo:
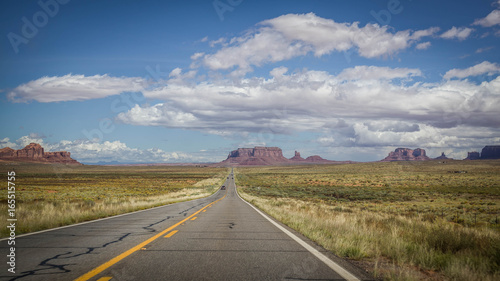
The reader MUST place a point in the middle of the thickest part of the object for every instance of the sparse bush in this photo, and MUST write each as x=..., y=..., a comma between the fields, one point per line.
x=54, y=195
x=405, y=223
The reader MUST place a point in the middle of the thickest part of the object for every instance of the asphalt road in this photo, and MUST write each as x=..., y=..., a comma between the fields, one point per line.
x=216, y=238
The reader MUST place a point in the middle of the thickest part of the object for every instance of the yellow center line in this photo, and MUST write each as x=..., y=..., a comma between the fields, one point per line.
x=171, y=233
x=107, y=278
x=194, y=218
x=204, y=211
x=127, y=253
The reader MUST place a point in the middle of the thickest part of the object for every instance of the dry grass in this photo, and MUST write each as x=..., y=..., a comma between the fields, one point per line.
x=49, y=196
x=398, y=247
x=358, y=212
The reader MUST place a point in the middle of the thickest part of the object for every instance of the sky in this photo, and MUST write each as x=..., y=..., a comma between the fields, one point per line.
x=189, y=81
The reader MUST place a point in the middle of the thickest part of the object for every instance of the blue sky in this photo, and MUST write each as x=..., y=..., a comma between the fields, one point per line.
x=177, y=81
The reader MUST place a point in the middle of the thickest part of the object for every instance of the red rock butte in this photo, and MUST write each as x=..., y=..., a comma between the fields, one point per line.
x=406, y=154
x=263, y=156
x=34, y=152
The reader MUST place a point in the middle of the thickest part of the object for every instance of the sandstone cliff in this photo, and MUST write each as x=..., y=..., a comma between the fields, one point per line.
x=297, y=157
x=473, y=155
x=255, y=156
x=490, y=152
x=35, y=153
x=406, y=154
x=263, y=156
x=316, y=159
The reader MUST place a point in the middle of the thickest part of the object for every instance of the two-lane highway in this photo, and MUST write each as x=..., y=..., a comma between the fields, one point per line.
x=216, y=238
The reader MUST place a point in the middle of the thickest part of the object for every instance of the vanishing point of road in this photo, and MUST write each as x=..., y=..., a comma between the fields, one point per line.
x=220, y=237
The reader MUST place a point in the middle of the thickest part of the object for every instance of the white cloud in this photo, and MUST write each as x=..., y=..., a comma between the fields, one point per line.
x=196, y=56
x=220, y=41
x=375, y=141
x=75, y=88
x=491, y=19
x=423, y=46
x=5, y=142
x=92, y=152
x=25, y=140
x=425, y=32
x=293, y=35
x=428, y=137
x=377, y=73
x=460, y=33
x=157, y=115
x=407, y=112
x=485, y=67
x=485, y=49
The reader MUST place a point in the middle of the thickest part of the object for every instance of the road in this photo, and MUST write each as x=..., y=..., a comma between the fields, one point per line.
x=220, y=237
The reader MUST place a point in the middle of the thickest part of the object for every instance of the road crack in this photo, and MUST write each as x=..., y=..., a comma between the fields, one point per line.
x=49, y=265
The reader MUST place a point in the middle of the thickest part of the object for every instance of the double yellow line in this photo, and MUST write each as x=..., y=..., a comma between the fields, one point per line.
x=127, y=253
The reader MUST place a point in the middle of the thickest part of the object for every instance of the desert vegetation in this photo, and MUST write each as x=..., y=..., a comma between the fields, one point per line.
x=401, y=220
x=51, y=195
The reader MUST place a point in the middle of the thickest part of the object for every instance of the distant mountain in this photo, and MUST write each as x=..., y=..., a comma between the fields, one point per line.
x=264, y=156
x=473, y=155
x=34, y=152
x=406, y=154
x=488, y=152
x=255, y=156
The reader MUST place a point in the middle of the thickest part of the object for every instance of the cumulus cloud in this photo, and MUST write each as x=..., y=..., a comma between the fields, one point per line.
x=380, y=138
x=293, y=35
x=423, y=46
x=461, y=137
x=74, y=88
x=460, y=33
x=5, y=142
x=158, y=115
x=360, y=106
x=491, y=19
x=485, y=67
x=108, y=151
x=406, y=111
x=377, y=73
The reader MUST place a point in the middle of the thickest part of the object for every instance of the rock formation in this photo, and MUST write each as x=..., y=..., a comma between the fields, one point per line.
x=270, y=156
x=255, y=156
x=490, y=152
x=34, y=152
x=316, y=159
x=406, y=154
x=443, y=157
x=474, y=155
x=297, y=157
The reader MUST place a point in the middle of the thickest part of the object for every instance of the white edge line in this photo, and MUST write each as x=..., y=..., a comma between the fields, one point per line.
x=331, y=264
x=101, y=219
